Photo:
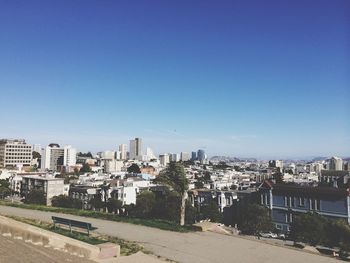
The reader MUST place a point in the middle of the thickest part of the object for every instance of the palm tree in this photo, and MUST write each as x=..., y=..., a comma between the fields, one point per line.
x=174, y=177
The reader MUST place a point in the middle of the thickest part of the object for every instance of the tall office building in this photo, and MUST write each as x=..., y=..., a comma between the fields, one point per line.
x=135, y=149
x=194, y=156
x=149, y=154
x=123, y=151
x=15, y=153
x=335, y=163
x=174, y=157
x=276, y=164
x=184, y=156
x=108, y=155
x=201, y=155
x=164, y=159
x=53, y=156
x=69, y=156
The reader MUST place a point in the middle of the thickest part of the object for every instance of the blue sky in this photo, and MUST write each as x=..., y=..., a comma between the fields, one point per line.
x=241, y=78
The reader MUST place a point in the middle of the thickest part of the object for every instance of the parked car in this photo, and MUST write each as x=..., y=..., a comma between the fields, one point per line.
x=268, y=235
x=281, y=236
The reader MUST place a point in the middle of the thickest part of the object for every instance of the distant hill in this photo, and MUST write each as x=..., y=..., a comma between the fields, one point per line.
x=317, y=159
x=231, y=159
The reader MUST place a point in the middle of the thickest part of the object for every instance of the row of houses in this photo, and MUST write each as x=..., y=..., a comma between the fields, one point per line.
x=285, y=201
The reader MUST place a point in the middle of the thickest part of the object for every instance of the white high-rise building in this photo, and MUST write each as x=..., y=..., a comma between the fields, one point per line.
x=164, y=159
x=184, y=156
x=52, y=157
x=69, y=156
x=135, y=151
x=318, y=167
x=123, y=151
x=276, y=164
x=174, y=157
x=132, y=150
x=150, y=154
x=335, y=163
x=118, y=155
x=109, y=155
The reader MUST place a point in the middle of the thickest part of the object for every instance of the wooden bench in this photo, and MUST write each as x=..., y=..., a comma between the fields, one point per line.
x=72, y=223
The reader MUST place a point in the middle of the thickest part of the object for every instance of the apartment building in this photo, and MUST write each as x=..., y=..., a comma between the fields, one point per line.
x=50, y=185
x=287, y=200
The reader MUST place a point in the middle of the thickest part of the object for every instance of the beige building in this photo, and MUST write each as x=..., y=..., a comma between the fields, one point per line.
x=49, y=185
x=15, y=152
x=335, y=163
x=123, y=151
x=135, y=151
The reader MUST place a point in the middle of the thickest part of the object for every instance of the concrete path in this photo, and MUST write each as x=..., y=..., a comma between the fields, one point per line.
x=18, y=251
x=197, y=247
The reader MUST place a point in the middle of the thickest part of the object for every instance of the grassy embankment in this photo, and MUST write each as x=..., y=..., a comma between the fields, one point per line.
x=126, y=247
x=156, y=223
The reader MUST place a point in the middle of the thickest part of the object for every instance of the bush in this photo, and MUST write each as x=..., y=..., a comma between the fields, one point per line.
x=253, y=219
x=315, y=229
x=66, y=202
x=144, y=205
x=35, y=197
x=211, y=211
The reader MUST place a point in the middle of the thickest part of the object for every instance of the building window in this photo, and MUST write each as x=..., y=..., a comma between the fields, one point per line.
x=301, y=201
x=289, y=218
x=315, y=204
x=288, y=201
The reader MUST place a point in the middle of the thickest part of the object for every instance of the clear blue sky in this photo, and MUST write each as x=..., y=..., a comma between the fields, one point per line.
x=242, y=78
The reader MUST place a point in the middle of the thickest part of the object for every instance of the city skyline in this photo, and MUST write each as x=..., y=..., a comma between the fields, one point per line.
x=235, y=78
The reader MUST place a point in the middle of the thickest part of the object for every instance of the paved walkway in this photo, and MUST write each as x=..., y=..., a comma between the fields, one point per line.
x=18, y=251
x=197, y=247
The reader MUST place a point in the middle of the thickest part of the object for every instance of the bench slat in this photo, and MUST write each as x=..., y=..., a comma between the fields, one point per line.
x=70, y=222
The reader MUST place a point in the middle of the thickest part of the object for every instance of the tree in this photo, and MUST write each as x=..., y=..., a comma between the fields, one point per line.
x=4, y=183
x=199, y=184
x=174, y=177
x=36, y=155
x=253, y=219
x=4, y=189
x=76, y=171
x=206, y=177
x=85, y=169
x=338, y=234
x=114, y=206
x=96, y=202
x=88, y=154
x=309, y=228
x=36, y=197
x=191, y=214
x=66, y=202
x=211, y=211
x=134, y=168
x=145, y=202
x=278, y=176
x=315, y=229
